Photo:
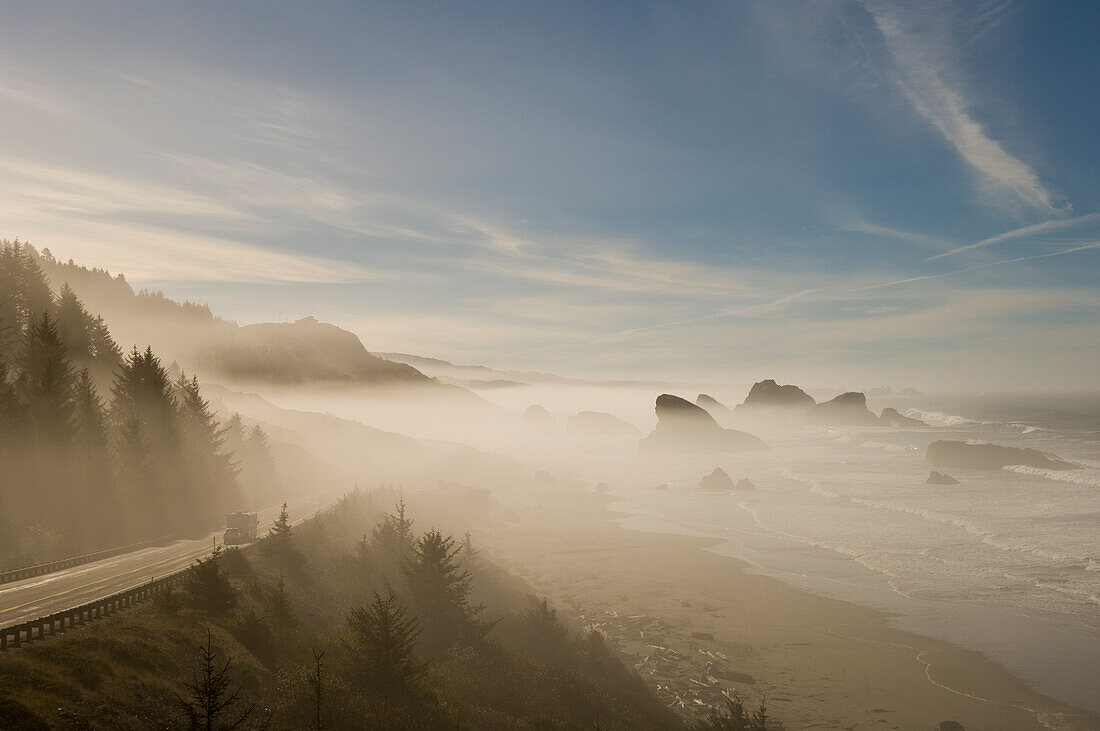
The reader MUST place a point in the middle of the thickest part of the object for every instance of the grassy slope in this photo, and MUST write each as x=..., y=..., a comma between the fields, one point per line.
x=129, y=671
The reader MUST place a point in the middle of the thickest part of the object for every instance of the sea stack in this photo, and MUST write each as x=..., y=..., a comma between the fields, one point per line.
x=598, y=424
x=939, y=478
x=684, y=427
x=713, y=406
x=944, y=453
x=538, y=419
x=717, y=481
x=768, y=394
x=890, y=417
x=847, y=409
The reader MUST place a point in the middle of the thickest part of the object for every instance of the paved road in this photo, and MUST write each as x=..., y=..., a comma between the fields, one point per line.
x=39, y=596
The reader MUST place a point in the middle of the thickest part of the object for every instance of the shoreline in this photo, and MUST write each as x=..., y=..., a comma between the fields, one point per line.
x=820, y=661
x=1004, y=637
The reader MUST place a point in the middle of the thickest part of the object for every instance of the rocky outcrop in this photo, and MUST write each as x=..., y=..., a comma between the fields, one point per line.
x=890, y=417
x=939, y=478
x=847, y=409
x=304, y=351
x=713, y=406
x=744, y=485
x=538, y=419
x=770, y=395
x=684, y=427
x=945, y=453
x=717, y=481
x=598, y=424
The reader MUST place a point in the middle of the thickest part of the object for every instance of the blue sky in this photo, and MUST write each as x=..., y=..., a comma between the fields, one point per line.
x=822, y=192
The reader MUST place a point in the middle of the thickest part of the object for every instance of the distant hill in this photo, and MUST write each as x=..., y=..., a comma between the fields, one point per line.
x=302, y=352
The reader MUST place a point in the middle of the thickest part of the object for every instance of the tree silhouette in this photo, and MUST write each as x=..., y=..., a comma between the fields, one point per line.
x=393, y=536
x=210, y=697
x=279, y=542
x=45, y=383
x=734, y=717
x=208, y=585
x=315, y=679
x=439, y=589
x=380, y=647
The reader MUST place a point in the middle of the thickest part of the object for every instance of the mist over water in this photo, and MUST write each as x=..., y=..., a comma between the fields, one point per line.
x=1006, y=563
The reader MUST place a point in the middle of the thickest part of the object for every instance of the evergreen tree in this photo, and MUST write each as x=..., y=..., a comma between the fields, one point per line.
x=105, y=353
x=439, y=589
x=151, y=461
x=279, y=543
x=234, y=435
x=545, y=635
x=23, y=286
x=96, y=509
x=315, y=679
x=46, y=381
x=9, y=334
x=9, y=407
x=211, y=698
x=258, y=466
x=734, y=717
x=74, y=325
x=208, y=585
x=380, y=643
x=393, y=536
x=209, y=464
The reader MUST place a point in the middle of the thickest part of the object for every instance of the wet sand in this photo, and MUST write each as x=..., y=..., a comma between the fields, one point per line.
x=696, y=625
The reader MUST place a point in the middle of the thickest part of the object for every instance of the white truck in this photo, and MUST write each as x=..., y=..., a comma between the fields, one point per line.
x=240, y=527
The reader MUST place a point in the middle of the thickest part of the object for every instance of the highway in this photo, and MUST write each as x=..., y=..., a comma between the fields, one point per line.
x=21, y=601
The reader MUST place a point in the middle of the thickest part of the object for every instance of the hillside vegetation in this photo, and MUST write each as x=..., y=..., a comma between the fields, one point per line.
x=355, y=619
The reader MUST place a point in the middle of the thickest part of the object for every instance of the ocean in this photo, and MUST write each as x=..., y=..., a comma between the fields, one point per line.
x=1006, y=563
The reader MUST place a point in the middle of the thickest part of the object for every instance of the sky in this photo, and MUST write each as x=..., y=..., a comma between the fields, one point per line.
x=826, y=193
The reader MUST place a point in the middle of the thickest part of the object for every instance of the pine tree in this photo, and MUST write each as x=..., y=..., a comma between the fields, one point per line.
x=74, y=325
x=380, y=647
x=23, y=285
x=9, y=335
x=208, y=462
x=211, y=698
x=9, y=407
x=46, y=381
x=279, y=543
x=208, y=585
x=734, y=717
x=145, y=419
x=95, y=509
x=105, y=353
x=315, y=678
x=258, y=465
x=393, y=536
x=439, y=589
x=234, y=434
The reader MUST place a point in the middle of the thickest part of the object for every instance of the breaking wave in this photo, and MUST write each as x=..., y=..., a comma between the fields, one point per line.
x=935, y=418
x=1058, y=475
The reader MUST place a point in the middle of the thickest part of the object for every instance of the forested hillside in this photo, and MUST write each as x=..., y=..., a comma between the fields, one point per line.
x=301, y=352
x=354, y=620
x=100, y=447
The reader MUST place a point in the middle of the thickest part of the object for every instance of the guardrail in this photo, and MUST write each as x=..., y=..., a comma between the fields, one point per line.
x=50, y=566
x=38, y=629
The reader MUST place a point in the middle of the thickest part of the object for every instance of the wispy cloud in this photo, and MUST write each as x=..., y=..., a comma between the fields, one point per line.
x=921, y=73
x=987, y=265
x=105, y=221
x=1034, y=230
x=860, y=225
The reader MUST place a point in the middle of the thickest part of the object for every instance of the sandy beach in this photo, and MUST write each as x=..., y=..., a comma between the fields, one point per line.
x=697, y=624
